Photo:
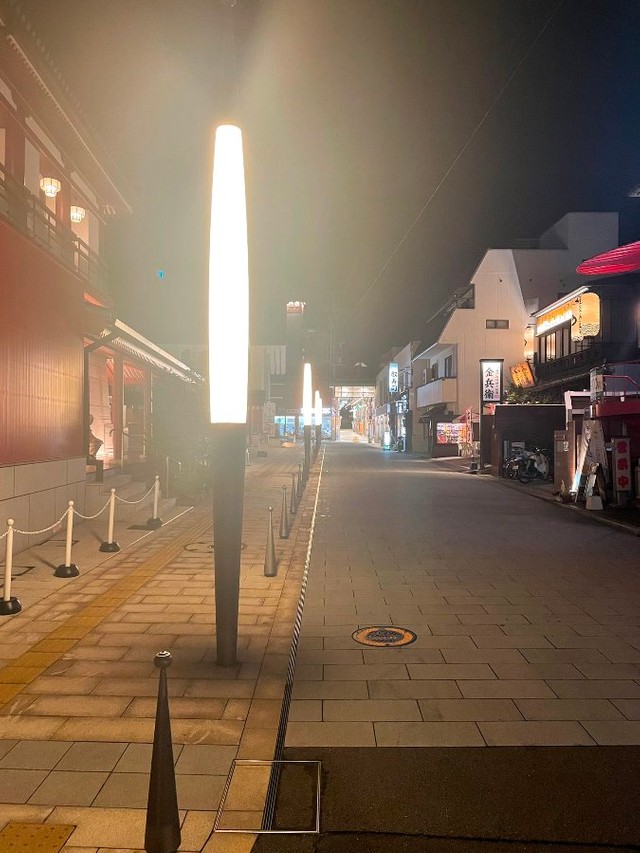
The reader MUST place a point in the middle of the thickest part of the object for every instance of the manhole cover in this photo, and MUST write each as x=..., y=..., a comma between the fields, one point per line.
x=384, y=635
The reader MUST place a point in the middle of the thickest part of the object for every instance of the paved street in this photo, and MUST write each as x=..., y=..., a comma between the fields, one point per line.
x=527, y=624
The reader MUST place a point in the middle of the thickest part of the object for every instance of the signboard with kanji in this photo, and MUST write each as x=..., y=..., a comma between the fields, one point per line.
x=490, y=380
x=394, y=375
x=621, y=461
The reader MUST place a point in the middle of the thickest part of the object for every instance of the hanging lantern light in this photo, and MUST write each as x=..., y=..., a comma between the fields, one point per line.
x=585, y=313
x=50, y=187
x=77, y=213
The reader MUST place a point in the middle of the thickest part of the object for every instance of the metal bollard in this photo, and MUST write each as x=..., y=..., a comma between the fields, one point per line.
x=68, y=569
x=111, y=546
x=293, y=505
x=154, y=522
x=162, y=832
x=9, y=605
x=270, y=564
x=300, y=483
x=284, y=516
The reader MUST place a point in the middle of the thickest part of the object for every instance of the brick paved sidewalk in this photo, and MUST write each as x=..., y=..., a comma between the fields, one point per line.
x=78, y=685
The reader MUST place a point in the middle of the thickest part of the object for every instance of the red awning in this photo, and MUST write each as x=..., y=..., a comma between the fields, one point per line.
x=620, y=260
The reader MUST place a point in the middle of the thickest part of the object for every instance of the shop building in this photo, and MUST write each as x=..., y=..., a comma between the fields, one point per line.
x=491, y=318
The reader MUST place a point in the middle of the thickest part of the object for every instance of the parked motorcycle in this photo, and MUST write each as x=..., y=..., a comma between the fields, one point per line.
x=536, y=465
x=512, y=466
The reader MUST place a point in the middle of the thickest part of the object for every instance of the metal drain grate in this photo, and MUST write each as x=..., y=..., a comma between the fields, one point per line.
x=384, y=635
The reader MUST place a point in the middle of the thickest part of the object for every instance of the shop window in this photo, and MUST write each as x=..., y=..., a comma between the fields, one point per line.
x=497, y=324
x=550, y=346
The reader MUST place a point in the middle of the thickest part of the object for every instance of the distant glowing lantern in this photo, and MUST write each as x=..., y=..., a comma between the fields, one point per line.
x=77, y=213
x=50, y=187
x=585, y=313
x=529, y=338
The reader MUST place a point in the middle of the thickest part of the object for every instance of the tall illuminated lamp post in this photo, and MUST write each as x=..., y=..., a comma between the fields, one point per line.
x=307, y=414
x=318, y=406
x=228, y=345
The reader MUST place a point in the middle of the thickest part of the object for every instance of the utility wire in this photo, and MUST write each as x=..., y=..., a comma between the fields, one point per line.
x=484, y=118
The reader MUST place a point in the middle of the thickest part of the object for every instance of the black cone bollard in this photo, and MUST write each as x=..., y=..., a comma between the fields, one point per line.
x=270, y=562
x=162, y=834
x=300, y=483
x=293, y=505
x=284, y=516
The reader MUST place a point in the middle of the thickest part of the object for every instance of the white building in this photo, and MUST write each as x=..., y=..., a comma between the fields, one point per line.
x=489, y=318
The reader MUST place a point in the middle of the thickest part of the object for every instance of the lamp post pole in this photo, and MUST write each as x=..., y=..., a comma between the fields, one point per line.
x=307, y=409
x=318, y=407
x=228, y=344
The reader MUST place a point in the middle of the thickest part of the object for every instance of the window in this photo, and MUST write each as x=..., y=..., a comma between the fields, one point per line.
x=448, y=366
x=434, y=372
x=497, y=324
x=550, y=346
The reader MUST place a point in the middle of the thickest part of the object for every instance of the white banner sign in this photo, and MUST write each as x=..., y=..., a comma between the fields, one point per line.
x=394, y=375
x=490, y=381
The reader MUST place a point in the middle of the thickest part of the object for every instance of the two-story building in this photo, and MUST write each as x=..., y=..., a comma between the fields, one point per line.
x=491, y=317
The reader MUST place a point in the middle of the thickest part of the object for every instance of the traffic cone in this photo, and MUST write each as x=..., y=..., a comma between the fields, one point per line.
x=293, y=504
x=162, y=833
x=270, y=564
x=284, y=516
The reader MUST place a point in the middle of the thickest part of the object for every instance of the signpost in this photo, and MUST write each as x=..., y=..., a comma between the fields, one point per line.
x=491, y=389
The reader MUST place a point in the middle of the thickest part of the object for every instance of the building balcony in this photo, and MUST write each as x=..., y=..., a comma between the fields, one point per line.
x=578, y=363
x=443, y=390
x=30, y=216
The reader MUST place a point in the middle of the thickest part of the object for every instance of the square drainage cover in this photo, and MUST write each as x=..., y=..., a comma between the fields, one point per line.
x=34, y=837
x=271, y=797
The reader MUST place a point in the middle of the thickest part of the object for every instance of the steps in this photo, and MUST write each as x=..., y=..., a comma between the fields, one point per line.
x=127, y=489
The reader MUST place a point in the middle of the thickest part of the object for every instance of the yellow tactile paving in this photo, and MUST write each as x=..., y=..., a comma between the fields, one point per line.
x=30, y=837
x=30, y=665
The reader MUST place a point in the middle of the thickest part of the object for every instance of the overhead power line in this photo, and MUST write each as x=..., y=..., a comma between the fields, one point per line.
x=453, y=163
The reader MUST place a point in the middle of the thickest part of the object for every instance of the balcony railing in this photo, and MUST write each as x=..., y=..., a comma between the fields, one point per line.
x=444, y=390
x=587, y=358
x=32, y=217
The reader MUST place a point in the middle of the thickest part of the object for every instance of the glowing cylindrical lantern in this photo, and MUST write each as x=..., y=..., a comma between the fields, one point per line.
x=307, y=395
x=585, y=316
x=50, y=187
x=228, y=282
x=77, y=213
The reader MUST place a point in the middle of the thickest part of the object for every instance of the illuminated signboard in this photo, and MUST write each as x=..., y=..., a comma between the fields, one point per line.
x=490, y=380
x=621, y=460
x=394, y=375
x=553, y=318
x=450, y=433
x=522, y=375
x=585, y=313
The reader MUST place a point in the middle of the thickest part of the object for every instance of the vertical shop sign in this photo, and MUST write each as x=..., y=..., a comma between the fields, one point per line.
x=490, y=380
x=621, y=460
x=394, y=376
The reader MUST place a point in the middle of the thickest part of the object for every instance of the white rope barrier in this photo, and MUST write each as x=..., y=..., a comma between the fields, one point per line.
x=56, y=524
x=143, y=498
x=91, y=517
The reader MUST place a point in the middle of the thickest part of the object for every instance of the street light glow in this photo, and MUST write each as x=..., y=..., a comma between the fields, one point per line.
x=307, y=392
x=228, y=282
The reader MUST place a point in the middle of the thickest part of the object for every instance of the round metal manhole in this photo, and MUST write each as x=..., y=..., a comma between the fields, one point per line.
x=384, y=635
x=206, y=547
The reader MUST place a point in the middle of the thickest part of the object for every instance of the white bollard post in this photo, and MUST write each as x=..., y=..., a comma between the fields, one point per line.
x=9, y=605
x=154, y=522
x=111, y=545
x=68, y=569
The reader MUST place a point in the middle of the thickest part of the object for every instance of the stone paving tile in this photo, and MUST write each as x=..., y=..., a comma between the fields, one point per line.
x=568, y=709
x=91, y=756
x=460, y=710
x=330, y=734
x=34, y=755
x=309, y=710
x=16, y=786
x=506, y=689
x=428, y=734
x=529, y=733
x=330, y=689
x=629, y=707
x=69, y=788
x=414, y=690
x=450, y=670
x=364, y=672
x=607, y=689
x=123, y=827
x=612, y=732
x=370, y=710
x=543, y=671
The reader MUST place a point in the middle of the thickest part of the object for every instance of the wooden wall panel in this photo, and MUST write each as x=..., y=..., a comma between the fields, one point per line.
x=41, y=354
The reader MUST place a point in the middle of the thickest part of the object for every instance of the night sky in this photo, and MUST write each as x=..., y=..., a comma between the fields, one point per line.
x=492, y=117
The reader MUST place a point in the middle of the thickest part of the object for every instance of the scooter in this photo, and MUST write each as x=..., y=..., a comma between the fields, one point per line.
x=536, y=466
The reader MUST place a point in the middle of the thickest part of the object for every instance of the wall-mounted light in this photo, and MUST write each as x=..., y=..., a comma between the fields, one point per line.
x=77, y=213
x=50, y=187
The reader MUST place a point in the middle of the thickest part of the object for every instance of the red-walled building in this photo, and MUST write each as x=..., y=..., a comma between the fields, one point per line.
x=63, y=357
